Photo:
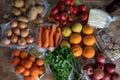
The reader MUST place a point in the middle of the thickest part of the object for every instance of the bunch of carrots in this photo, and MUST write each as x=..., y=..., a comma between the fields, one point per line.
x=48, y=36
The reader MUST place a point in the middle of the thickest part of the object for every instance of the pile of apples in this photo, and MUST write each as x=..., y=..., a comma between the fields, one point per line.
x=100, y=69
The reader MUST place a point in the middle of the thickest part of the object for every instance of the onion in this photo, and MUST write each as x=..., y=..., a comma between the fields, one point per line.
x=13, y=24
x=22, y=25
x=22, y=42
x=30, y=39
x=6, y=41
x=14, y=39
x=16, y=31
x=98, y=73
x=24, y=33
x=8, y=32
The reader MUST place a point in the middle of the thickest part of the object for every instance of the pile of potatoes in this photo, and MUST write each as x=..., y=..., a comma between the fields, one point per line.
x=17, y=33
x=28, y=10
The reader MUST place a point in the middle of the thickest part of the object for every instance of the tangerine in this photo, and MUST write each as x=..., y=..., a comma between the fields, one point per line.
x=26, y=72
x=88, y=52
x=28, y=78
x=19, y=69
x=15, y=61
x=89, y=40
x=77, y=50
x=75, y=38
x=16, y=52
x=23, y=54
x=87, y=29
x=39, y=62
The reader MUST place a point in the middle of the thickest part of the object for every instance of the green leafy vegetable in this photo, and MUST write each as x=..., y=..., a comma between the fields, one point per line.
x=60, y=62
x=77, y=73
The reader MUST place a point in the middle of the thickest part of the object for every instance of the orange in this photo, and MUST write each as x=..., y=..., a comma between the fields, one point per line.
x=88, y=52
x=42, y=68
x=75, y=38
x=31, y=58
x=15, y=61
x=89, y=40
x=27, y=64
x=87, y=29
x=16, y=52
x=28, y=78
x=23, y=54
x=26, y=72
x=77, y=50
x=19, y=69
x=39, y=62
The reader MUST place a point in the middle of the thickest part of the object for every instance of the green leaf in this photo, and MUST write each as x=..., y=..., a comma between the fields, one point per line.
x=77, y=2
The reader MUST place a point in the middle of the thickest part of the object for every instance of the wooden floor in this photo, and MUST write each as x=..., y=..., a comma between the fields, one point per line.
x=7, y=72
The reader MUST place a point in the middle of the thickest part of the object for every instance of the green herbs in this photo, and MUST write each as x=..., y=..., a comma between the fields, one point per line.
x=34, y=52
x=60, y=62
x=77, y=72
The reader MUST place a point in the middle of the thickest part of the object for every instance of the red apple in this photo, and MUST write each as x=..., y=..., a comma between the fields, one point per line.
x=98, y=73
x=115, y=76
x=110, y=67
x=99, y=65
x=92, y=78
x=89, y=69
x=107, y=76
x=100, y=57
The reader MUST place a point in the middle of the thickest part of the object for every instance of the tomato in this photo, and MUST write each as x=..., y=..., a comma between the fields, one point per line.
x=71, y=18
x=83, y=16
x=75, y=10
x=52, y=17
x=82, y=7
x=63, y=16
x=54, y=11
x=61, y=5
x=56, y=17
x=67, y=2
x=58, y=23
x=64, y=23
x=71, y=2
x=69, y=9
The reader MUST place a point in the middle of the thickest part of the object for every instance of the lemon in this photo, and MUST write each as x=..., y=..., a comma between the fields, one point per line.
x=65, y=43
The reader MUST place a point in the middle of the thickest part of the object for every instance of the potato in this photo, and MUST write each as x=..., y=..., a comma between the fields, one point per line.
x=39, y=2
x=40, y=9
x=23, y=19
x=23, y=9
x=22, y=25
x=16, y=11
x=32, y=14
x=38, y=20
x=29, y=3
x=18, y=3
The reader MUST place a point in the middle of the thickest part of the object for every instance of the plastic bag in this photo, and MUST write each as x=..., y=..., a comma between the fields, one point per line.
x=42, y=49
x=99, y=18
x=6, y=26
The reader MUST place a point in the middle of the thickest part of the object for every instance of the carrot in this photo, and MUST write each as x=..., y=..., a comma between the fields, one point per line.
x=52, y=32
x=57, y=38
x=46, y=38
x=40, y=31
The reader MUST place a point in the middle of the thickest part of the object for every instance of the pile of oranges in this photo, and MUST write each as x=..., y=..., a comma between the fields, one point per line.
x=27, y=65
x=88, y=40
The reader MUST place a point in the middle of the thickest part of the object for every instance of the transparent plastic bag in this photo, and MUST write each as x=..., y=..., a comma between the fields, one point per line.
x=6, y=26
x=20, y=76
x=42, y=49
x=99, y=18
x=46, y=4
x=108, y=43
